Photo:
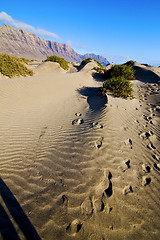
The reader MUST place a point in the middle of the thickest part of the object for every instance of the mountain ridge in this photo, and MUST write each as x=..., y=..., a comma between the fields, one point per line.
x=21, y=43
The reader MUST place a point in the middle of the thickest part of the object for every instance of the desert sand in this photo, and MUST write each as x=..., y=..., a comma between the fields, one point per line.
x=75, y=165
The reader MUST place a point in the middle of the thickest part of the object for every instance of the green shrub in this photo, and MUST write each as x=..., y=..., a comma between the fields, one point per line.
x=87, y=60
x=125, y=71
x=24, y=60
x=62, y=62
x=11, y=66
x=119, y=86
x=99, y=64
x=129, y=63
x=34, y=60
x=84, y=62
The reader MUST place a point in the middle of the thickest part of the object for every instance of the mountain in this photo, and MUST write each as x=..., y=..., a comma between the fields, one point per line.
x=21, y=43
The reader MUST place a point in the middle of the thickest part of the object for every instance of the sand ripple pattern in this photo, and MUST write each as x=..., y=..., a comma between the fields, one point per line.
x=52, y=166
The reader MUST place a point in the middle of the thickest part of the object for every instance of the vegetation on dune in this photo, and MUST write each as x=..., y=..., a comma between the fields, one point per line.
x=125, y=71
x=87, y=60
x=99, y=64
x=24, y=60
x=62, y=62
x=129, y=63
x=118, y=80
x=27, y=61
x=119, y=86
x=11, y=66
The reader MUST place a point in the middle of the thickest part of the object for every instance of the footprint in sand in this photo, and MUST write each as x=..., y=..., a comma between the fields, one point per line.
x=150, y=110
x=63, y=200
x=95, y=236
x=129, y=143
x=157, y=166
x=151, y=115
x=145, y=117
x=96, y=124
x=94, y=205
x=151, y=146
x=145, y=135
x=156, y=157
x=146, y=180
x=136, y=121
x=78, y=114
x=38, y=173
x=146, y=168
x=98, y=205
x=125, y=165
x=74, y=227
x=77, y=121
x=157, y=108
x=98, y=201
x=124, y=128
x=87, y=207
x=98, y=143
x=149, y=118
x=42, y=132
x=102, y=192
x=127, y=189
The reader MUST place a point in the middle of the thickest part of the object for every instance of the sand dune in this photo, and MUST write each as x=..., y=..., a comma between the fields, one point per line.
x=48, y=67
x=88, y=67
x=146, y=74
x=80, y=166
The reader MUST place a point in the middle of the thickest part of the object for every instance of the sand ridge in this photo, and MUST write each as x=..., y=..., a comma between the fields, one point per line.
x=48, y=67
x=80, y=166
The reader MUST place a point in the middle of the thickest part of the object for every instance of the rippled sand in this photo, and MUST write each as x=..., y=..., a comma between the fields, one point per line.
x=64, y=178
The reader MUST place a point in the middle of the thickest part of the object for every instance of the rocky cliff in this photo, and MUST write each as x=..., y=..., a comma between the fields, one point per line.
x=21, y=43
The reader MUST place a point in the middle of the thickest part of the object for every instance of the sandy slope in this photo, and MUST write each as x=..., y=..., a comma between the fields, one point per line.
x=92, y=178
x=144, y=73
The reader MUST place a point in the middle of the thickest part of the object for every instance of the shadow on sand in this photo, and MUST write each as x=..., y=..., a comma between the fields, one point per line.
x=7, y=229
x=146, y=75
x=98, y=77
x=96, y=101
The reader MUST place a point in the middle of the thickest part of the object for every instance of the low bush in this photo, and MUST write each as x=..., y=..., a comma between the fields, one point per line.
x=62, y=62
x=11, y=66
x=24, y=60
x=99, y=64
x=129, y=63
x=85, y=61
x=119, y=86
x=125, y=71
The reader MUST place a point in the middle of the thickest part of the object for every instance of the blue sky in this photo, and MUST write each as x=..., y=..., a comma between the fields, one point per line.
x=118, y=30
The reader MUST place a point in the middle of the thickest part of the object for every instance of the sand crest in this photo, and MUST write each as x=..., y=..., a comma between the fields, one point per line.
x=48, y=67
